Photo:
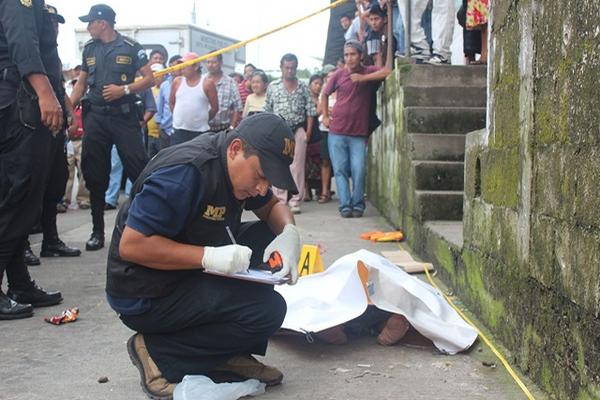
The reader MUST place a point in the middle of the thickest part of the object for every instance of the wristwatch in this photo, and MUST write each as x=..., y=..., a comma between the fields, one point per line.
x=126, y=90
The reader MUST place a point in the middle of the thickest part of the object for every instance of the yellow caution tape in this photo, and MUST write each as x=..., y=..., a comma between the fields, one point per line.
x=245, y=42
x=485, y=339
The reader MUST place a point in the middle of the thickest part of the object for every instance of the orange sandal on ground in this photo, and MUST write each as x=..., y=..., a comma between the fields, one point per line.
x=394, y=236
x=368, y=235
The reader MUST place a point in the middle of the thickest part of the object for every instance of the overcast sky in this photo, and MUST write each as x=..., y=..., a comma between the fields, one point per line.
x=239, y=19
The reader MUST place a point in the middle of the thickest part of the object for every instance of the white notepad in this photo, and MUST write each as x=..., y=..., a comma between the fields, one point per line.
x=254, y=275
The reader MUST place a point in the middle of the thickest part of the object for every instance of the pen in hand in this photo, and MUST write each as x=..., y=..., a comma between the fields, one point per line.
x=230, y=234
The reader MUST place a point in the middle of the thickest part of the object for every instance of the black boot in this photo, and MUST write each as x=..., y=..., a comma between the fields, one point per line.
x=10, y=309
x=29, y=257
x=57, y=248
x=36, y=296
x=96, y=242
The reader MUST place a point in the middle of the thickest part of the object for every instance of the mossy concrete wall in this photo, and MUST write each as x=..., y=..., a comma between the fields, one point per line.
x=532, y=230
x=390, y=183
x=530, y=263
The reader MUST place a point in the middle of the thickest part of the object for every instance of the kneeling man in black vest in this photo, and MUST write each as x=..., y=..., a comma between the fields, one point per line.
x=175, y=227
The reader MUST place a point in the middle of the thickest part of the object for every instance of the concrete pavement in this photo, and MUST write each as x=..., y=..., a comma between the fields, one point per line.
x=42, y=361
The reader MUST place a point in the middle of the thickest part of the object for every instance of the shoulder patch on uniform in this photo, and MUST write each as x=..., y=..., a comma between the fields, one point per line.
x=142, y=54
x=26, y=3
x=129, y=41
x=90, y=61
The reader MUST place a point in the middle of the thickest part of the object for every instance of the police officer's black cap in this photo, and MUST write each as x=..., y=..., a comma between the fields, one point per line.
x=54, y=14
x=99, y=11
x=274, y=142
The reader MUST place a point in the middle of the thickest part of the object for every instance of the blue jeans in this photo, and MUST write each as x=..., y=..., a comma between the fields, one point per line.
x=398, y=29
x=116, y=174
x=348, y=156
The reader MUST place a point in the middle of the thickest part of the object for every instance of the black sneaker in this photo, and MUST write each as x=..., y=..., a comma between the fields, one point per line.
x=57, y=248
x=95, y=242
x=36, y=296
x=29, y=257
x=109, y=207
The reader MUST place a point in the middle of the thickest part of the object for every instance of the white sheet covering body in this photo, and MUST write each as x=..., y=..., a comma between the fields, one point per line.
x=330, y=298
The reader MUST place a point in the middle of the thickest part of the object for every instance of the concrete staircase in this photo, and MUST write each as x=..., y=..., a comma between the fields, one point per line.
x=441, y=105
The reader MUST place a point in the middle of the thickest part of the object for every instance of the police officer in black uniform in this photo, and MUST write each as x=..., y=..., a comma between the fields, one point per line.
x=58, y=172
x=30, y=114
x=110, y=63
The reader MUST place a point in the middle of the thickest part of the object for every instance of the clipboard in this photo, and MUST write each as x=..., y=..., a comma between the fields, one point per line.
x=254, y=275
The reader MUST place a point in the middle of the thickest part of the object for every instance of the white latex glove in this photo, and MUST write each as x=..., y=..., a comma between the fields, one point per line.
x=287, y=243
x=228, y=260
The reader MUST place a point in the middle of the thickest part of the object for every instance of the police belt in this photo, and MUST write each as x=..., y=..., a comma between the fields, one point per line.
x=125, y=108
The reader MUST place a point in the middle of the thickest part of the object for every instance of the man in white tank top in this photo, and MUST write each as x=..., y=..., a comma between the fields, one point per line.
x=193, y=101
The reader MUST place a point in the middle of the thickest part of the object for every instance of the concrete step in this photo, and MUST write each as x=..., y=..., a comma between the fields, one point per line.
x=439, y=175
x=445, y=96
x=439, y=205
x=450, y=231
x=433, y=146
x=447, y=75
x=444, y=119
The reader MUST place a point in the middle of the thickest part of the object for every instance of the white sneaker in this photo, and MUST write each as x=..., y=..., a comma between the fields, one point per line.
x=436, y=59
x=295, y=209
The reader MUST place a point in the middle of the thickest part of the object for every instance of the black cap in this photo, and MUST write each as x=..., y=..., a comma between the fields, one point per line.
x=54, y=14
x=99, y=11
x=274, y=142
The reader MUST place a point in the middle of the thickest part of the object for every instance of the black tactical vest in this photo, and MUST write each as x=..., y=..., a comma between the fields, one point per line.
x=206, y=227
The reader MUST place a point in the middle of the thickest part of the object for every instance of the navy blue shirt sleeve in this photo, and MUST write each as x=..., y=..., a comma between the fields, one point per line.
x=257, y=202
x=169, y=196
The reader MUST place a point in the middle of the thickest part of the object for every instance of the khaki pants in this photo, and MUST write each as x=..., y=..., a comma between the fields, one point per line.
x=298, y=171
x=74, y=161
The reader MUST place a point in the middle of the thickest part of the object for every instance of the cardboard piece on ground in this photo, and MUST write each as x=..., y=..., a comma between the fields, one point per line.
x=404, y=260
x=363, y=274
x=310, y=261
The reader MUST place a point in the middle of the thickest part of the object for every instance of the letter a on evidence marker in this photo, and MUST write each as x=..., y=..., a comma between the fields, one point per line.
x=310, y=261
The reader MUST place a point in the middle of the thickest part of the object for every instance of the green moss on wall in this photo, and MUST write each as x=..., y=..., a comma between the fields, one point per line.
x=500, y=176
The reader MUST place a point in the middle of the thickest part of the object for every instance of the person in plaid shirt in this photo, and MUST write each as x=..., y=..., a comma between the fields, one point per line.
x=230, y=103
x=290, y=98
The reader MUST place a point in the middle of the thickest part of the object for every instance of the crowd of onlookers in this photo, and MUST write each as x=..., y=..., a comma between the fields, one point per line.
x=431, y=29
x=201, y=97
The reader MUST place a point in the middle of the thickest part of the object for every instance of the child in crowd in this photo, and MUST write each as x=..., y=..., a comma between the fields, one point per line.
x=255, y=102
x=376, y=39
